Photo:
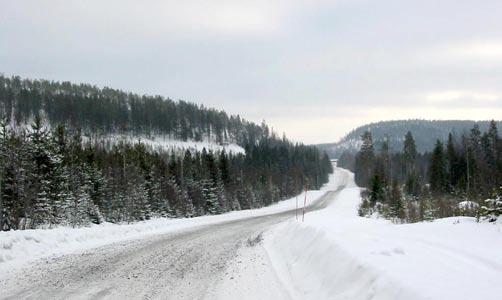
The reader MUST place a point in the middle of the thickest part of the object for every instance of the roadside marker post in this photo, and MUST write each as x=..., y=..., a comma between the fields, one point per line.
x=304, y=205
x=296, y=211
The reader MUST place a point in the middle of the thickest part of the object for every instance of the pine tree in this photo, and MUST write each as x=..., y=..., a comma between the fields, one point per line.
x=491, y=145
x=40, y=171
x=386, y=160
x=59, y=191
x=141, y=206
x=244, y=197
x=377, y=190
x=4, y=213
x=476, y=154
x=224, y=167
x=194, y=191
x=235, y=203
x=173, y=166
x=452, y=163
x=188, y=168
x=412, y=184
x=154, y=193
x=409, y=153
x=438, y=178
x=252, y=197
x=222, y=197
x=16, y=206
x=97, y=186
x=178, y=196
x=78, y=207
x=210, y=196
x=188, y=207
x=396, y=206
x=364, y=160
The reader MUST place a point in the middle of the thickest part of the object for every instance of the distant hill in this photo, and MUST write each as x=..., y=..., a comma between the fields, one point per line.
x=425, y=133
x=106, y=112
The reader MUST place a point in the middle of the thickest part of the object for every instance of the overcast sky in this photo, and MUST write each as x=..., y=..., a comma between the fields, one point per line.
x=313, y=69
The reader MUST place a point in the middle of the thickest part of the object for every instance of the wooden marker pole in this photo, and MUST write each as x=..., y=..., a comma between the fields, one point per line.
x=304, y=205
x=296, y=211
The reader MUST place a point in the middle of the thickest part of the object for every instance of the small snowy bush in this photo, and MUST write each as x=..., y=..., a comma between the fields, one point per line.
x=493, y=208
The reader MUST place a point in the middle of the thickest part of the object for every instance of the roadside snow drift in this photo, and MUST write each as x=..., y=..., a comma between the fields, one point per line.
x=337, y=255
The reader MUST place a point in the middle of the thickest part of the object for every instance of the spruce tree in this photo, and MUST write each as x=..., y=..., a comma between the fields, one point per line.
x=386, y=159
x=40, y=171
x=438, y=176
x=4, y=213
x=16, y=205
x=59, y=189
x=452, y=163
x=224, y=167
x=364, y=160
x=377, y=190
x=187, y=203
x=396, y=205
x=97, y=189
x=409, y=153
x=491, y=146
x=141, y=206
x=210, y=196
x=154, y=193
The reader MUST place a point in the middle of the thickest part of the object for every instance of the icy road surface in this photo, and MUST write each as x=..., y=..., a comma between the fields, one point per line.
x=182, y=265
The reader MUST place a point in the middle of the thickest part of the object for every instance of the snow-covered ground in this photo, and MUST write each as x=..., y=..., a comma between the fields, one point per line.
x=159, y=142
x=18, y=248
x=154, y=141
x=337, y=255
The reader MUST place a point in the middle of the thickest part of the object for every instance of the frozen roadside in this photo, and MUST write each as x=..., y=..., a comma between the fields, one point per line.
x=337, y=255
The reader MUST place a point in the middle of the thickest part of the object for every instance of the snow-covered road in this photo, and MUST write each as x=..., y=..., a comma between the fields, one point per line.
x=177, y=266
x=185, y=264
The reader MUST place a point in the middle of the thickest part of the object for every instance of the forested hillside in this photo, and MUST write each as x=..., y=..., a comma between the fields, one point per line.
x=51, y=175
x=101, y=111
x=425, y=133
x=460, y=177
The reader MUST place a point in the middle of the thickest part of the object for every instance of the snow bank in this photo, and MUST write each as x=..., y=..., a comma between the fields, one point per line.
x=311, y=266
x=337, y=255
x=18, y=248
x=168, y=144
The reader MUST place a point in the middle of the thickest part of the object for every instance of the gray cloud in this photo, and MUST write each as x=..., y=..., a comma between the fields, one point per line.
x=313, y=69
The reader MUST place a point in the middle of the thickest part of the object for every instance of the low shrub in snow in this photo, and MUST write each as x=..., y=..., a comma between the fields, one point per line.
x=493, y=208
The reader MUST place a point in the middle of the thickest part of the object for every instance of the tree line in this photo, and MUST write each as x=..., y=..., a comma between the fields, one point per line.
x=100, y=111
x=425, y=134
x=461, y=177
x=51, y=177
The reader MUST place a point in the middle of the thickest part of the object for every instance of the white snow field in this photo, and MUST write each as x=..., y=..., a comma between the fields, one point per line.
x=165, y=143
x=259, y=254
